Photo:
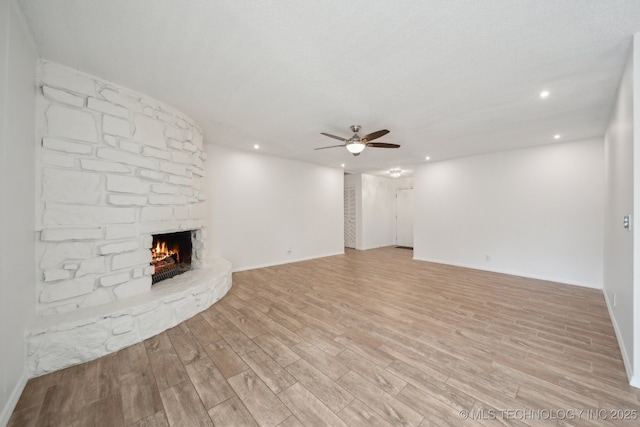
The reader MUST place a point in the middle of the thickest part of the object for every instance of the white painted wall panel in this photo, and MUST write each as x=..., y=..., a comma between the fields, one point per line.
x=378, y=211
x=635, y=376
x=17, y=250
x=404, y=217
x=618, y=241
x=533, y=212
x=262, y=206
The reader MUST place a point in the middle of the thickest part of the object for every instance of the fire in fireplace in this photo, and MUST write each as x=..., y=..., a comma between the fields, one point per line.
x=170, y=255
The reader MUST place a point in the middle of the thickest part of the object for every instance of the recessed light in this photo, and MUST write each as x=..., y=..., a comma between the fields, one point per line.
x=343, y=165
x=256, y=146
x=544, y=94
x=427, y=158
x=556, y=136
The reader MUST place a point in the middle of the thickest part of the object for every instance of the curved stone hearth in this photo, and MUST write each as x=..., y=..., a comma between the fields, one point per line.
x=59, y=341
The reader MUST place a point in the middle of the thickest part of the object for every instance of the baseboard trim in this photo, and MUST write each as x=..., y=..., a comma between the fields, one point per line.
x=11, y=403
x=512, y=273
x=635, y=381
x=628, y=367
x=366, y=248
x=289, y=261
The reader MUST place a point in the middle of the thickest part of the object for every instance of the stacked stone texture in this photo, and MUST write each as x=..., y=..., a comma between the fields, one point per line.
x=116, y=167
x=56, y=342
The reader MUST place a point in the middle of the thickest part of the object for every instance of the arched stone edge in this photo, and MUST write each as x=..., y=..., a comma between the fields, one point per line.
x=88, y=334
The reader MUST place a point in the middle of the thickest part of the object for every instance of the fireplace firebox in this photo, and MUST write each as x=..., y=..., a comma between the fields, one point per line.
x=170, y=255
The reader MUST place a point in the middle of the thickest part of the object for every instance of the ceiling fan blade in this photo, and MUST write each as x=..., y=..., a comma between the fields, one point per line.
x=382, y=145
x=332, y=146
x=333, y=136
x=374, y=135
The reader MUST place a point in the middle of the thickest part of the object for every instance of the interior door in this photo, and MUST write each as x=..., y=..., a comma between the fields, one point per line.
x=350, y=217
x=404, y=218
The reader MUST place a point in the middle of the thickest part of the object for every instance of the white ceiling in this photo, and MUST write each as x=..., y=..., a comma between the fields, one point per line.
x=448, y=78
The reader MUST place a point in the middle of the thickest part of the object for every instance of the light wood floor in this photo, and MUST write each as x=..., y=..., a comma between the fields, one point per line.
x=371, y=338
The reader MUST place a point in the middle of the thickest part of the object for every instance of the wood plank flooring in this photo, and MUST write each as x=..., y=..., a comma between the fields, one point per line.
x=371, y=338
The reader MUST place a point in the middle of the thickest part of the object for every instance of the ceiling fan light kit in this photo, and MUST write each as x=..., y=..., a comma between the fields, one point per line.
x=355, y=147
x=356, y=144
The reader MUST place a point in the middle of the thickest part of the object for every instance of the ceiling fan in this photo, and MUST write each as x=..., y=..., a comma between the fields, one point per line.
x=357, y=143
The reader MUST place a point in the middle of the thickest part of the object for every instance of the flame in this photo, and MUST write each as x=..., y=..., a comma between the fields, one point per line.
x=161, y=251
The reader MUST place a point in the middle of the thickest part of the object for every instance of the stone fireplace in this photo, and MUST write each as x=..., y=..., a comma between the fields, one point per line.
x=115, y=168
x=171, y=254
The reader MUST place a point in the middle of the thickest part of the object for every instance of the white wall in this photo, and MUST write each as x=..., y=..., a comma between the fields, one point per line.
x=261, y=206
x=404, y=183
x=534, y=212
x=635, y=378
x=17, y=253
x=618, y=242
x=378, y=212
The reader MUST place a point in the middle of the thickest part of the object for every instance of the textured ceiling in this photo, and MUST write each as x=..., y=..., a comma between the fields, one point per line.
x=448, y=78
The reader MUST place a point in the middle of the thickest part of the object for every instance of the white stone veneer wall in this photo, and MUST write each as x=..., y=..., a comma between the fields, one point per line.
x=116, y=167
x=56, y=342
